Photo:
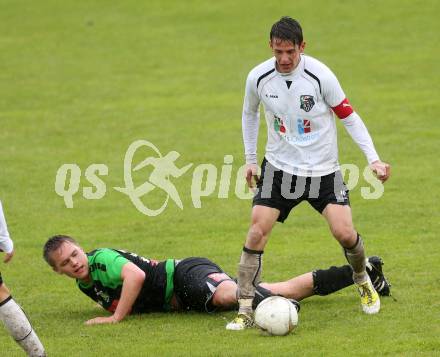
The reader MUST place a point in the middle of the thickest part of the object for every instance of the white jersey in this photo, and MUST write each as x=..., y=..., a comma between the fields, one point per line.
x=299, y=107
x=5, y=241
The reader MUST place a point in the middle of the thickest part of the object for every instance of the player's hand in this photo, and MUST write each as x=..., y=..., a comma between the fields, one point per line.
x=101, y=320
x=252, y=175
x=382, y=170
x=8, y=257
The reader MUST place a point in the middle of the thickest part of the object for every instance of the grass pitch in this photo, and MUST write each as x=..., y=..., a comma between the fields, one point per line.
x=80, y=81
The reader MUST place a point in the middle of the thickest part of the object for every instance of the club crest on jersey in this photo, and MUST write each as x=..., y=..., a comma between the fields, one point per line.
x=306, y=102
x=304, y=126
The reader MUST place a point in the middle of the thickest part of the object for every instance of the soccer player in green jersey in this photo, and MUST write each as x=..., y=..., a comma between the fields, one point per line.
x=124, y=283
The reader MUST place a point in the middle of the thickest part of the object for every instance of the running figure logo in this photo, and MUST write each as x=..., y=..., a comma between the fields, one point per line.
x=163, y=168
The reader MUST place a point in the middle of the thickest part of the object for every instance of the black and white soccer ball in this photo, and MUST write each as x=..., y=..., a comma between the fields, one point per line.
x=276, y=316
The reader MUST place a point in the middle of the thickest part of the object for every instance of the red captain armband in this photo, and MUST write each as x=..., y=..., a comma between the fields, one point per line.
x=343, y=109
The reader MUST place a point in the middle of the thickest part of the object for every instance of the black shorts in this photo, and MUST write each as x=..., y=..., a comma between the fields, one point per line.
x=283, y=191
x=193, y=288
x=1, y=280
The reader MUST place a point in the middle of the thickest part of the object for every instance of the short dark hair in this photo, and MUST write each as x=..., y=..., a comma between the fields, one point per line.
x=54, y=243
x=287, y=29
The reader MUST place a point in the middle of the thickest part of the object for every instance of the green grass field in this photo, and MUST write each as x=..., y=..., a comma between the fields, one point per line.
x=80, y=81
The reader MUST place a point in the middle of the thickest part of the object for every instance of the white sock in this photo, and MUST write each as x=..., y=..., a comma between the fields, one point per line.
x=20, y=328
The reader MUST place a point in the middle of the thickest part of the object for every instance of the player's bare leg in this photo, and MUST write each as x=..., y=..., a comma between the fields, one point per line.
x=18, y=325
x=250, y=266
x=298, y=288
x=340, y=222
x=318, y=282
x=4, y=292
x=325, y=281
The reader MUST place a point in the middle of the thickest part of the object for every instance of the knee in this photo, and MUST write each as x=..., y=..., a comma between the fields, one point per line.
x=225, y=295
x=257, y=234
x=345, y=235
x=4, y=292
x=224, y=301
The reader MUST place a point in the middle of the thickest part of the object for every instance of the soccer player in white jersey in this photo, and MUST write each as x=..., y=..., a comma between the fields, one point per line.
x=11, y=314
x=300, y=96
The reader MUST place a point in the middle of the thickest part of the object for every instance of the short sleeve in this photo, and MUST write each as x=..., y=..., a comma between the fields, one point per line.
x=110, y=264
x=332, y=90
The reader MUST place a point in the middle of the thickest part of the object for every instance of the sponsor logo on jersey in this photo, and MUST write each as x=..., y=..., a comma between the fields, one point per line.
x=102, y=294
x=306, y=102
x=304, y=126
x=279, y=126
x=271, y=96
x=99, y=266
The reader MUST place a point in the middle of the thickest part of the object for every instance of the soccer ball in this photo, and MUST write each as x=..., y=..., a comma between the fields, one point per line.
x=276, y=316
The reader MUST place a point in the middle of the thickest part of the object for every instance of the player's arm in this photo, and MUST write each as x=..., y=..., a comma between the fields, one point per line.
x=250, y=124
x=335, y=97
x=6, y=244
x=132, y=280
x=360, y=135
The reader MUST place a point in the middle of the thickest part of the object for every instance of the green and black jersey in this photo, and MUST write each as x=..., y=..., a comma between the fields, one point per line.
x=105, y=267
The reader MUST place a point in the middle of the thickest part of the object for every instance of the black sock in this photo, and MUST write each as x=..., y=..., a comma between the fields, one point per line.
x=333, y=279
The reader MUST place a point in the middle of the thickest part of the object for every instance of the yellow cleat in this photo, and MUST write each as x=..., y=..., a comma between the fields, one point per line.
x=241, y=322
x=369, y=297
